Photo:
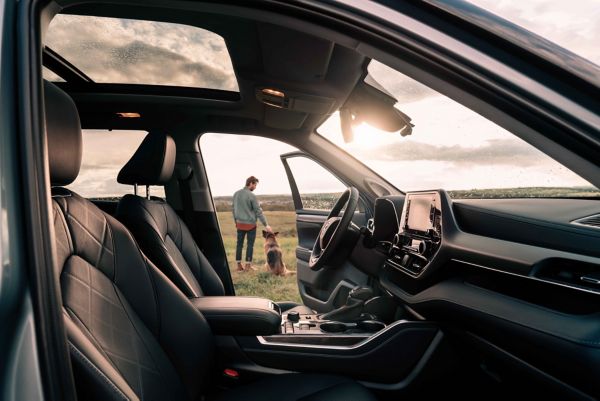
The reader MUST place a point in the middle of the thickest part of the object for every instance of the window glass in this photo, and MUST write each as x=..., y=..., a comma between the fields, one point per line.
x=104, y=154
x=318, y=188
x=50, y=75
x=454, y=148
x=127, y=51
x=573, y=26
x=229, y=160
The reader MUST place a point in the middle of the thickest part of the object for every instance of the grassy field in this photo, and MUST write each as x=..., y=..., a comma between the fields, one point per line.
x=261, y=282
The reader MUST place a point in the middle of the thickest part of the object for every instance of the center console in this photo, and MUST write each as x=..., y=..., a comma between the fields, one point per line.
x=420, y=233
x=254, y=338
x=379, y=354
x=304, y=330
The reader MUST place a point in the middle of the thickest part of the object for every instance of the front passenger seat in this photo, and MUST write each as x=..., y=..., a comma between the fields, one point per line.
x=131, y=333
x=160, y=232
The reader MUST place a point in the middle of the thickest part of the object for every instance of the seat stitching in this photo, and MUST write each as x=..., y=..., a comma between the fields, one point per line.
x=65, y=228
x=180, y=269
x=200, y=279
x=92, y=289
x=104, y=232
x=114, y=246
x=133, y=361
x=141, y=339
x=156, y=298
x=71, y=217
x=96, y=370
x=71, y=314
x=143, y=206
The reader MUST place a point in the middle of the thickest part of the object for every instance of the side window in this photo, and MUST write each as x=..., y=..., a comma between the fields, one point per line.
x=229, y=160
x=318, y=188
x=104, y=154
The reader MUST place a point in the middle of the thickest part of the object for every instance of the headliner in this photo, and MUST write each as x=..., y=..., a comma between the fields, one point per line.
x=263, y=55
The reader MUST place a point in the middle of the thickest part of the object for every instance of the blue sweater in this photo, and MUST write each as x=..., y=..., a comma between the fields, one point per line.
x=246, y=208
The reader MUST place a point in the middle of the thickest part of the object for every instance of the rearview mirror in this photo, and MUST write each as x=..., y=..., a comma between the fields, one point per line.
x=369, y=102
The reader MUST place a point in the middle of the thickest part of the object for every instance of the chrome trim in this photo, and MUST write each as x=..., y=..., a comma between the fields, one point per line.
x=590, y=291
x=262, y=340
x=311, y=218
x=591, y=280
x=577, y=221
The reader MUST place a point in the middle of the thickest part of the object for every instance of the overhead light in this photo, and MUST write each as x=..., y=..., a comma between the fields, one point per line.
x=273, y=92
x=128, y=115
x=272, y=97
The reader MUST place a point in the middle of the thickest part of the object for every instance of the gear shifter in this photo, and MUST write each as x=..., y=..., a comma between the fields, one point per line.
x=354, y=305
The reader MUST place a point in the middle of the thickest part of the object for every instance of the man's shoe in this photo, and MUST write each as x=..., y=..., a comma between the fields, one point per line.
x=240, y=268
x=249, y=267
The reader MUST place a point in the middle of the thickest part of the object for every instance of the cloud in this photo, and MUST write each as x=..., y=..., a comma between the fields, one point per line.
x=510, y=152
x=145, y=52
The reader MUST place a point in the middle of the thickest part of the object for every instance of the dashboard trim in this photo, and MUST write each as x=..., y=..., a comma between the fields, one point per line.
x=541, y=280
x=361, y=344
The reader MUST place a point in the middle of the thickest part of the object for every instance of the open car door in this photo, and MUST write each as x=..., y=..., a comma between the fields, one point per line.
x=314, y=191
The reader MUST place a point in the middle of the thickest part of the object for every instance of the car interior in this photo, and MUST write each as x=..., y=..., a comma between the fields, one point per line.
x=406, y=295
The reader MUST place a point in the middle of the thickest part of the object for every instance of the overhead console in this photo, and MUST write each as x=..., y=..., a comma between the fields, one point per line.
x=419, y=233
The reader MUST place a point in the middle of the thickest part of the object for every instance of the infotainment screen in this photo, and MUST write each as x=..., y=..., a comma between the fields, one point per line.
x=419, y=213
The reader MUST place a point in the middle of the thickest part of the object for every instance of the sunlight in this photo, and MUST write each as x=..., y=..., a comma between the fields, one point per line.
x=366, y=136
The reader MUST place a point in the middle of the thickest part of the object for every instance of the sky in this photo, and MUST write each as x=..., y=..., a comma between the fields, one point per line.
x=451, y=147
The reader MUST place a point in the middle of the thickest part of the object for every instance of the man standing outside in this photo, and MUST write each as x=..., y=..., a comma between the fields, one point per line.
x=246, y=211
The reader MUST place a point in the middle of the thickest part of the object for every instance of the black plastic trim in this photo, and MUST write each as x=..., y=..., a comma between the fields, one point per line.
x=155, y=90
x=54, y=364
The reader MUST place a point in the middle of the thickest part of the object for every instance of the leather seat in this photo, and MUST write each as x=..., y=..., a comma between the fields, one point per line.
x=160, y=232
x=131, y=333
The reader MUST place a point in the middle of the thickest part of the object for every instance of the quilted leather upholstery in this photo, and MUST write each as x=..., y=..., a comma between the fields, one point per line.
x=128, y=326
x=166, y=240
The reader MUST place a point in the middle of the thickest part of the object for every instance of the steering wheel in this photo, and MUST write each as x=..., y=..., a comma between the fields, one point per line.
x=333, y=229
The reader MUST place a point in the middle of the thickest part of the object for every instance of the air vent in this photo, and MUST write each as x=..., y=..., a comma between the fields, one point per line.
x=592, y=221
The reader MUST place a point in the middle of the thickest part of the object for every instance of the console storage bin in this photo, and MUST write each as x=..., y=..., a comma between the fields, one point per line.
x=240, y=316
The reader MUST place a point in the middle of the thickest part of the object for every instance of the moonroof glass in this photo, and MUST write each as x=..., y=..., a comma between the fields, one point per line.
x=126, y=51
x=50, y=75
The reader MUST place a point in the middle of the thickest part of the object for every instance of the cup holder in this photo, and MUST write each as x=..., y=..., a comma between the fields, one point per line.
x=371, y=326
x=333, y=327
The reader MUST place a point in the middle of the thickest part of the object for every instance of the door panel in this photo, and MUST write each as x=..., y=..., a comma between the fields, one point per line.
x=325, y=289
x=308, y=227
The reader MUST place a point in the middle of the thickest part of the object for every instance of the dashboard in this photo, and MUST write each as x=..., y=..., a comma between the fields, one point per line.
x=515, y=273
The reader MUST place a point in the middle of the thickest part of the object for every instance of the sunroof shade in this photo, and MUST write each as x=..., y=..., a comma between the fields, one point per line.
x=126, y=51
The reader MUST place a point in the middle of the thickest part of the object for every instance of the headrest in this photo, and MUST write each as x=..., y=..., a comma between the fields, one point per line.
x=63, y=133
x=152, y=163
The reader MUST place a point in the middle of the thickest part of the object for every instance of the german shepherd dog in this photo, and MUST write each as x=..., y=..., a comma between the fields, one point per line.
x=274, y=255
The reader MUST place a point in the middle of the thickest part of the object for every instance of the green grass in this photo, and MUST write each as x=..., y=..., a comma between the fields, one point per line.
x=261, y=283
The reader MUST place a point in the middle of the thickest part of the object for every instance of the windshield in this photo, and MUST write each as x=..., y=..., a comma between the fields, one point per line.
x=453, y=148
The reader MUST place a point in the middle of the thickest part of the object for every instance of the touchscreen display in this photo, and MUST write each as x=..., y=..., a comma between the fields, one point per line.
x=419, y=212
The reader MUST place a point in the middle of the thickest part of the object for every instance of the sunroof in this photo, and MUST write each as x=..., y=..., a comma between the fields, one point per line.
x=127, y=51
